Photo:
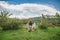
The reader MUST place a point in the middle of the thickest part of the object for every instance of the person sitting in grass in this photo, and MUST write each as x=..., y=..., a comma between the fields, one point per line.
x=31, y=26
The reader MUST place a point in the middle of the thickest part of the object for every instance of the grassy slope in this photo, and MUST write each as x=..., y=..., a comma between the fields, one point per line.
x=21, y=34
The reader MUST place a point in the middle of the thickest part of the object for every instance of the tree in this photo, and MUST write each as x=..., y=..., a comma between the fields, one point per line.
x=57, y=15
x=4, y=14
x=43, y=19
x=43, y=22
x=4, y=18
x=57, y=18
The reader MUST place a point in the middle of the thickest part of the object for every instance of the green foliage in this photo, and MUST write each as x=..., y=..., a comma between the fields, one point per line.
x=7, y=23
x=4, y=14
x=0, y=28
x=10, y=24
x=57, y=19
x=57, y=15
x=43, y=25
x=23, y=21
x=52, y=33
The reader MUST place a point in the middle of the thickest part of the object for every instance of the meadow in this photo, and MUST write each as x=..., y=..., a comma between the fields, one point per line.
x=52, y=33
x=15, y=29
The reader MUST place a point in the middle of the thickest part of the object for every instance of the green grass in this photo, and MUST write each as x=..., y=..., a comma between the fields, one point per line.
x=52, y=33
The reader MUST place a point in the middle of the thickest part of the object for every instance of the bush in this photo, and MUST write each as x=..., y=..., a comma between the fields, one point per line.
x=42, y=26
x=0, y=28
x=10, y=24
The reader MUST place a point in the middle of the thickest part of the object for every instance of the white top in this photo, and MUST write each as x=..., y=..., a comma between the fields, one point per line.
x=29, y=26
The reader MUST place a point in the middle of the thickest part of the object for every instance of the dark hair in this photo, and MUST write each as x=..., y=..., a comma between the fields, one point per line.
x=30, y=22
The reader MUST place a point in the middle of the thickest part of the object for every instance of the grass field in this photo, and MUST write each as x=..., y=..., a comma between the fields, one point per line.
x=52, y=33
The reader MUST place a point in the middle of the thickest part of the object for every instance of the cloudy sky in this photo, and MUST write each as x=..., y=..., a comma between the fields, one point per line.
x=30, y=8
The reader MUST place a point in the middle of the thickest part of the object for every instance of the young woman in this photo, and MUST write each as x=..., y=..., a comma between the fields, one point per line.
x=31, y=26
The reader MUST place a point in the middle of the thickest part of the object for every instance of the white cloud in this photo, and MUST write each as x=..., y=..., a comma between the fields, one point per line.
x=28, y=10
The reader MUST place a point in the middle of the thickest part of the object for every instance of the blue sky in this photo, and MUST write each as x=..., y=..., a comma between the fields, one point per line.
x=54, y=3
x=30, y=8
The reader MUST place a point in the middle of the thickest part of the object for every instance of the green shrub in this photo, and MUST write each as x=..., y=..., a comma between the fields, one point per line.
x=10, y=24
x=42, y=26
x=0, y=28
